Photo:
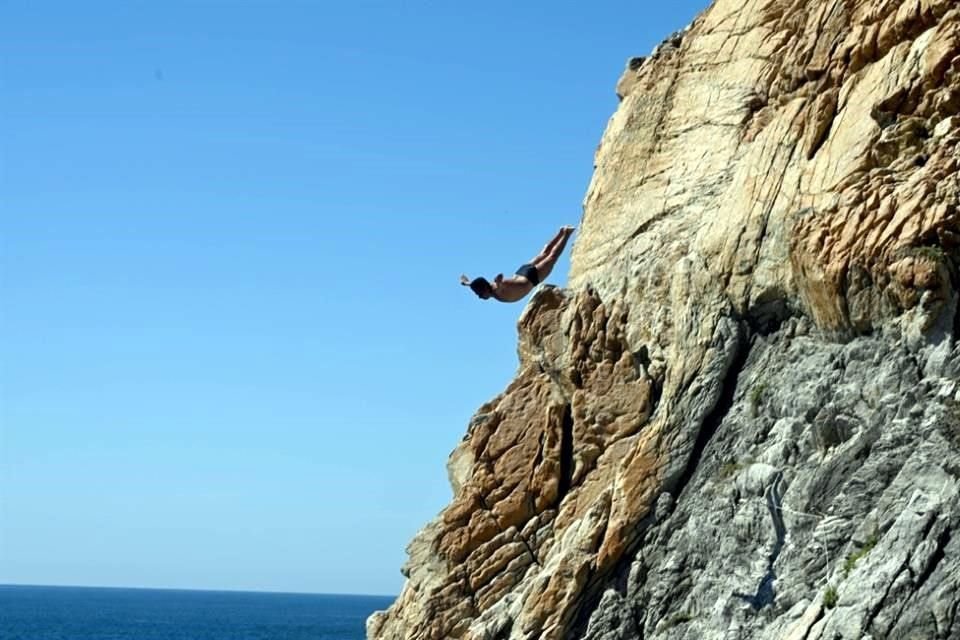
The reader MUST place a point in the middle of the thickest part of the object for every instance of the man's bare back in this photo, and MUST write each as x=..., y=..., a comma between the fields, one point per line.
x=528, y=276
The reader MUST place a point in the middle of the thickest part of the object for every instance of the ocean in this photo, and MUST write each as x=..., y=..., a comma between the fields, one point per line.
x=86, y=613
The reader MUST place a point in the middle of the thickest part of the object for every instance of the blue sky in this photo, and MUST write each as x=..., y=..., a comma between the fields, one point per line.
x=233, y=350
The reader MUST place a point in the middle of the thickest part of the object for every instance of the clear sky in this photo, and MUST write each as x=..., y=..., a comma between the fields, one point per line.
x=234, y=353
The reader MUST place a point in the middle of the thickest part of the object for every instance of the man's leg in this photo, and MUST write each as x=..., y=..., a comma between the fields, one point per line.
x=548, y=249
x=546, y=260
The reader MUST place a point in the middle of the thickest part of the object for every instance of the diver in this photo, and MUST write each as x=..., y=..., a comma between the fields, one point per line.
x=527, y=277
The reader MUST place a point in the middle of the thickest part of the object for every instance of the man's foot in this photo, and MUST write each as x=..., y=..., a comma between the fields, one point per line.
x=568, y=229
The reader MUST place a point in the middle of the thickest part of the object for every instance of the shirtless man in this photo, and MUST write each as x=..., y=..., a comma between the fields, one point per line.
x=528, y=276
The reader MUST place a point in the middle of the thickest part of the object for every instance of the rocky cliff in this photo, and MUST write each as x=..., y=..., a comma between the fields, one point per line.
x=742, y=419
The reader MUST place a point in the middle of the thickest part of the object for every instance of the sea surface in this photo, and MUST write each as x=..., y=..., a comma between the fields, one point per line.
x=86, y=613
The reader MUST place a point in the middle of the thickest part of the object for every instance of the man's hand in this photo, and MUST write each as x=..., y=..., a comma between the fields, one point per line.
x=499, y=278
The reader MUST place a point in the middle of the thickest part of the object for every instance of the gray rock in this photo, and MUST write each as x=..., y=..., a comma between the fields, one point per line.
x=839, y=475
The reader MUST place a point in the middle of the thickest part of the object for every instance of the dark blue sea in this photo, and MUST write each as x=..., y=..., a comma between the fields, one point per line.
x=83, y=613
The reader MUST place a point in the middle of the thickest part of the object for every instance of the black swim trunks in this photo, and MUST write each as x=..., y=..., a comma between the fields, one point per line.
x=529, y=272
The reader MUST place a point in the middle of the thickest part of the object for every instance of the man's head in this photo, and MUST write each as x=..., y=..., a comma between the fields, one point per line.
x=479, y=286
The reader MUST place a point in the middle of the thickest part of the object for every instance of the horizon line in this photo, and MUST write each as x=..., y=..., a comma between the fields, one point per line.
x=288, y=593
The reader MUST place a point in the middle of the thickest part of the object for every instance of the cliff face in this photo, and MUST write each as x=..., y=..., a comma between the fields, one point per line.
x=742, y=419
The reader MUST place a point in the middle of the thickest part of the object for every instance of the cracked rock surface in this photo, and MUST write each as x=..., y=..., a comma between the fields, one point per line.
x=835, y=467
x=742, y=419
